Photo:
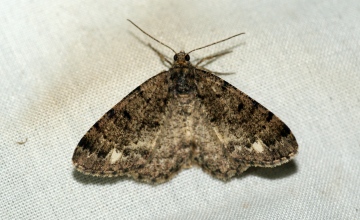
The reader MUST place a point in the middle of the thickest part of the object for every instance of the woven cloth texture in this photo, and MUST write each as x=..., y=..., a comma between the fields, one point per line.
x=63, y=64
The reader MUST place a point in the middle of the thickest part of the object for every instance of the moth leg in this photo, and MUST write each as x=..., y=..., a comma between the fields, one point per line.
x=216, y=73
x=163, y=59
x=211, y=58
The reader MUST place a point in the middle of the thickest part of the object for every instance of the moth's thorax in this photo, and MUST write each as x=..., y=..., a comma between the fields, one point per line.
x=182, y=81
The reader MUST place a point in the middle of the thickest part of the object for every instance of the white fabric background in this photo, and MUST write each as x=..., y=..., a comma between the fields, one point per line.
x=63, y=64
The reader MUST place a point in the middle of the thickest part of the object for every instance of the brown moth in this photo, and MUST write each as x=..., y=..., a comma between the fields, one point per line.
x=182, y=117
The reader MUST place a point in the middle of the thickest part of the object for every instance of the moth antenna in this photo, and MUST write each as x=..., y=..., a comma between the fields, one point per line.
x=151, y=36
x=215, y=42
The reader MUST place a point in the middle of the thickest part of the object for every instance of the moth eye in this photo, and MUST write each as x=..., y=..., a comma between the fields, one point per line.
x=187, y=57
x=175, y=57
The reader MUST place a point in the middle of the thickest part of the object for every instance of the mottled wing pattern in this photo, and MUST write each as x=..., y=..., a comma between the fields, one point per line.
x=141, y=136
x=235, y=132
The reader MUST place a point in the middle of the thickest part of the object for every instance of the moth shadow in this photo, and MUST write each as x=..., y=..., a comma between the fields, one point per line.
x=97, y=180
x=138, y=39
x=278, y=172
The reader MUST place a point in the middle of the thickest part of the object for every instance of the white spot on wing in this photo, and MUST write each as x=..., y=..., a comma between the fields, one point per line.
x=257, y=146
x=115, y=156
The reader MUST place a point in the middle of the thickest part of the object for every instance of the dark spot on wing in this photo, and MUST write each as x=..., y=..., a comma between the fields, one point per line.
x=165, y=101
x=111, y=113
x=102, y=153
x=269, y=141
x=255, y=103
x=200, y=96
x=174, y=169
x=144, y=153
x=96, y=125
x=127, y=114
x=240, y=107
x=254, y=107
x=138, y=89
x=285, y=131
x=225, y=85
x=231, y=147
x=85, y=143
x=141, y=93
x=126, y=152
x=196, y=159
x=269, y=116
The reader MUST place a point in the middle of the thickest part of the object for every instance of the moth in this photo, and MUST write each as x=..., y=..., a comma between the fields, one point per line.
x=182, y=117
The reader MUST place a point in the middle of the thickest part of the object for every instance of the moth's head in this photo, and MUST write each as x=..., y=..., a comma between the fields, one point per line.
x=181, y=59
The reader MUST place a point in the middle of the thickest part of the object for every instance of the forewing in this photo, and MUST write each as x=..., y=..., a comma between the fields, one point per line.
x=235, y=131
x=138, y=137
